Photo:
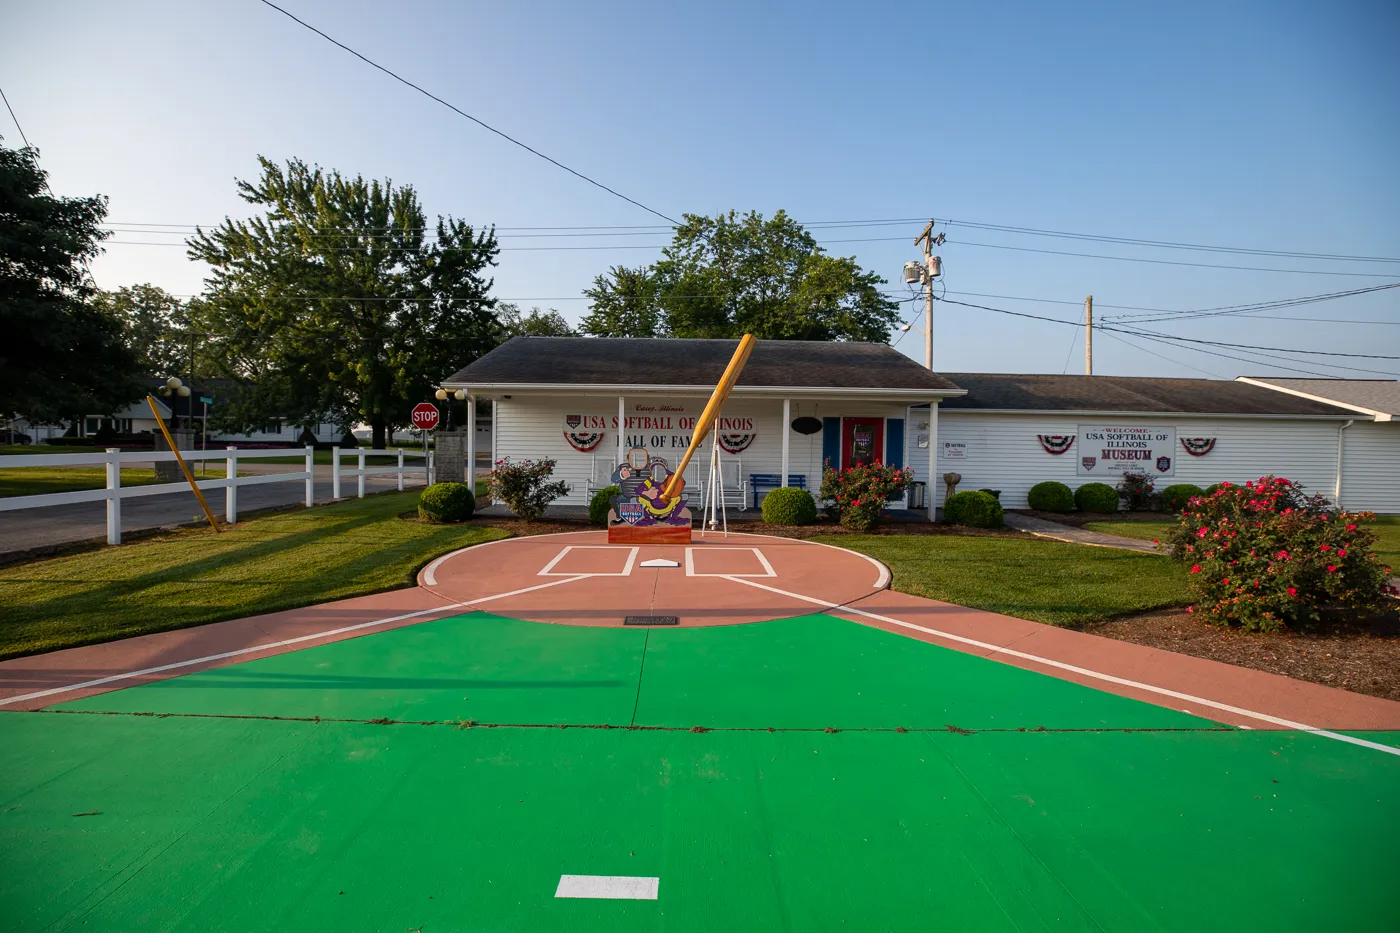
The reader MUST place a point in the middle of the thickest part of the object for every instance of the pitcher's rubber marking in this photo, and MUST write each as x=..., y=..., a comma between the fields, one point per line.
x=53, y=691
x=626, y=570
x=611, y=887
x=1084, y=671
x=690, y=563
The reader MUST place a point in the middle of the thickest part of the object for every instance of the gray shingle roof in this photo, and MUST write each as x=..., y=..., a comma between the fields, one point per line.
x=999, y=391
x=1382, y=395
x=806, y=364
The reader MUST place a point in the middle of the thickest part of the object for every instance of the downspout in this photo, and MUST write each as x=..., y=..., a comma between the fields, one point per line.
x=1341, y=446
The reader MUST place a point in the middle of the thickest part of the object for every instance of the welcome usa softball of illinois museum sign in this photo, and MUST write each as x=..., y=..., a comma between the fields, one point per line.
x=1112, y=450
x=657, y=426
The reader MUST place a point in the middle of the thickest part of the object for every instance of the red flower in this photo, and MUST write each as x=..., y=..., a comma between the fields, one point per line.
x=1201, y=533
x=1342, y=553
x=1190, y=608
x=1326, y=547
x=1292, y=591
x=1351, y=528
x=1195, y=568
x=1155, y=541
x=1226, y=580
x=1331, y=568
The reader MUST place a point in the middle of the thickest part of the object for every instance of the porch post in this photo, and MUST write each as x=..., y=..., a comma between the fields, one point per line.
x=621, y=427
x=471, y=440
x=933, y=477
x=787, y=422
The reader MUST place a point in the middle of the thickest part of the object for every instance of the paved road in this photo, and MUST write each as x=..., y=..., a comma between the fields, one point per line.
x=30, y=529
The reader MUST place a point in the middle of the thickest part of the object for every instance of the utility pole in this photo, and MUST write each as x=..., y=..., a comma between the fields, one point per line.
x=1089, y=335
x=932, y=268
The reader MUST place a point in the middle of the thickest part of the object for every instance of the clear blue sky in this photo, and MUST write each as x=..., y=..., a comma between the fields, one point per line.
x=1265, y=125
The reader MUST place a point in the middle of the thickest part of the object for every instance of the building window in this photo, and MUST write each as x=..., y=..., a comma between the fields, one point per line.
x=92, y=426
x=273, y=427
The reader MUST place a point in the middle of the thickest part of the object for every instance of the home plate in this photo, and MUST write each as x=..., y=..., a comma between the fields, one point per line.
x=659, y=562
x=611, y=887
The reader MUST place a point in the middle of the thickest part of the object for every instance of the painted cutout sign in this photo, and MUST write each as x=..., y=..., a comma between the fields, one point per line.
x=1116, y=449
x=639, y=503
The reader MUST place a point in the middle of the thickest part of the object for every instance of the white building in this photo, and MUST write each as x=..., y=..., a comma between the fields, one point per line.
x=808, y=403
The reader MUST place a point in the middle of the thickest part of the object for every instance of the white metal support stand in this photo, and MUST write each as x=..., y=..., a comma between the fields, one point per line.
x=714, y=493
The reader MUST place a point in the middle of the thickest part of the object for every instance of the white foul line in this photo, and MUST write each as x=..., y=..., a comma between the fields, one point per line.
x=611, y=887
x=1109, y=678
x=276, y=644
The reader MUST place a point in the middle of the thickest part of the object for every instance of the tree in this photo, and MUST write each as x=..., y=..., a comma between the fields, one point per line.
x=337, y=304
x=60, y=358
x=535, y=324
x=158, y=329
x=625, y=304
x=729, y=275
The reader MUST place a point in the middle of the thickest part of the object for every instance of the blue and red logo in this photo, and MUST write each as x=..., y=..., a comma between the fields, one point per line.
x=631, y=512
x=1164, y=464
x=1088, y=462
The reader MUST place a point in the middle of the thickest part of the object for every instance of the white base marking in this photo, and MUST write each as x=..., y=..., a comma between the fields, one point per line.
x=610, y=887
x=39, y=694
x=1084, y=671
x=659, y=562
x=690, y=563
x=548, y=570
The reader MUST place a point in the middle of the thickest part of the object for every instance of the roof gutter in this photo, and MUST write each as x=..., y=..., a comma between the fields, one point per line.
x=1375, y=415
x=1101, y=413
x=922, y=395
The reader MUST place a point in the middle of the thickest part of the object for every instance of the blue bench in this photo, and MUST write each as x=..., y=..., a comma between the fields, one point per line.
x=762, y=482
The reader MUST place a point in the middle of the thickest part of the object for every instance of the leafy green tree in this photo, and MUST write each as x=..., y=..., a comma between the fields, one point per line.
x=733, y=274
x=60, y=358
x=625, y=304
x=338, y=304
x=158, y=329
x=537, y=323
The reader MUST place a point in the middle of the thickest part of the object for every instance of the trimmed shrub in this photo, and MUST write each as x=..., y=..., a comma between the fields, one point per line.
x=1051, y=496
x=857, y=495
x=1176, y=497
x=789, y=505
x=1096, y=497
x=973, y=509
x=1264, y=556
x=446, y=502
x=1138, y=492
x=525, y=487
x=601, y=504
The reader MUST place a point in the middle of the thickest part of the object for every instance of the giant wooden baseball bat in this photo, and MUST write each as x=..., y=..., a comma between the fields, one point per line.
x=711, y=412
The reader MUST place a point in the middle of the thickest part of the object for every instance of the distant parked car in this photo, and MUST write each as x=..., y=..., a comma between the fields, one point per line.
x=16, y=437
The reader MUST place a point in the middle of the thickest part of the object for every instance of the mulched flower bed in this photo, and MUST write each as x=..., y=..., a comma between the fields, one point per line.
x=1080, y=519
x=1361, y=655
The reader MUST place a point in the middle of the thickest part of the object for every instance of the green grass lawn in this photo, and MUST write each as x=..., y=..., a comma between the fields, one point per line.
x=7, y=450
x=287, y=559
x=1045, y=581
x=1387, y=530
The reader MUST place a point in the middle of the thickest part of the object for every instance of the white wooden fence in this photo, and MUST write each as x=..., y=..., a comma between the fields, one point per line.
x=115, y=493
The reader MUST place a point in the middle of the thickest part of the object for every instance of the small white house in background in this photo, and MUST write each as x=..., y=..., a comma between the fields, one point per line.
x=838, y=403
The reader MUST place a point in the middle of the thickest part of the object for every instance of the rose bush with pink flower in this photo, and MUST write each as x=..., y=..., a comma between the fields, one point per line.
x=1266, y=556
x=857, y=495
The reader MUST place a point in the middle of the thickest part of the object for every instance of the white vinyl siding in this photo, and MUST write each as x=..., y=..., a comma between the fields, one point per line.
x=1371, y=467
x=531, y=427
x=1004, y=453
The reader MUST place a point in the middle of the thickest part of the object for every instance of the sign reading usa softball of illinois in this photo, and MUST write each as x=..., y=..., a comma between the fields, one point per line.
x=1115, y=449
x=657, y=426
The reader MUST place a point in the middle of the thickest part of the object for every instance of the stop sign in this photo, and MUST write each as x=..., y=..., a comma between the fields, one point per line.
x=424, y=417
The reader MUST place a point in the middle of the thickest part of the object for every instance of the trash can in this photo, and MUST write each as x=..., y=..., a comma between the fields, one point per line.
x=918, y=495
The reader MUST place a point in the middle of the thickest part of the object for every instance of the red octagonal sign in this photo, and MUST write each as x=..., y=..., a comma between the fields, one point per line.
x=425, y=416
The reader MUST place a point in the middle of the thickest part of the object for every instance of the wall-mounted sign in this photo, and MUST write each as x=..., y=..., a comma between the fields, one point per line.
x=656, y=426
x=954, y=450
x=923, y=442
x=1112, y=450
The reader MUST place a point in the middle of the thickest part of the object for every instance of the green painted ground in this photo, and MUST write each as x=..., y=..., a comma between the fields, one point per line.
x=209, y=822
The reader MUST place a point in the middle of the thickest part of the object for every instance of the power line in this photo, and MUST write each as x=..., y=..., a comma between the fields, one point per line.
x=1172, y=262
x=1273, y=305
x=460, y=112
x=15, y=118
x=1160, y=356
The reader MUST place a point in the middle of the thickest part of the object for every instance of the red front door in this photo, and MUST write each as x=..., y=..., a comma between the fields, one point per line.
x=862, y=441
